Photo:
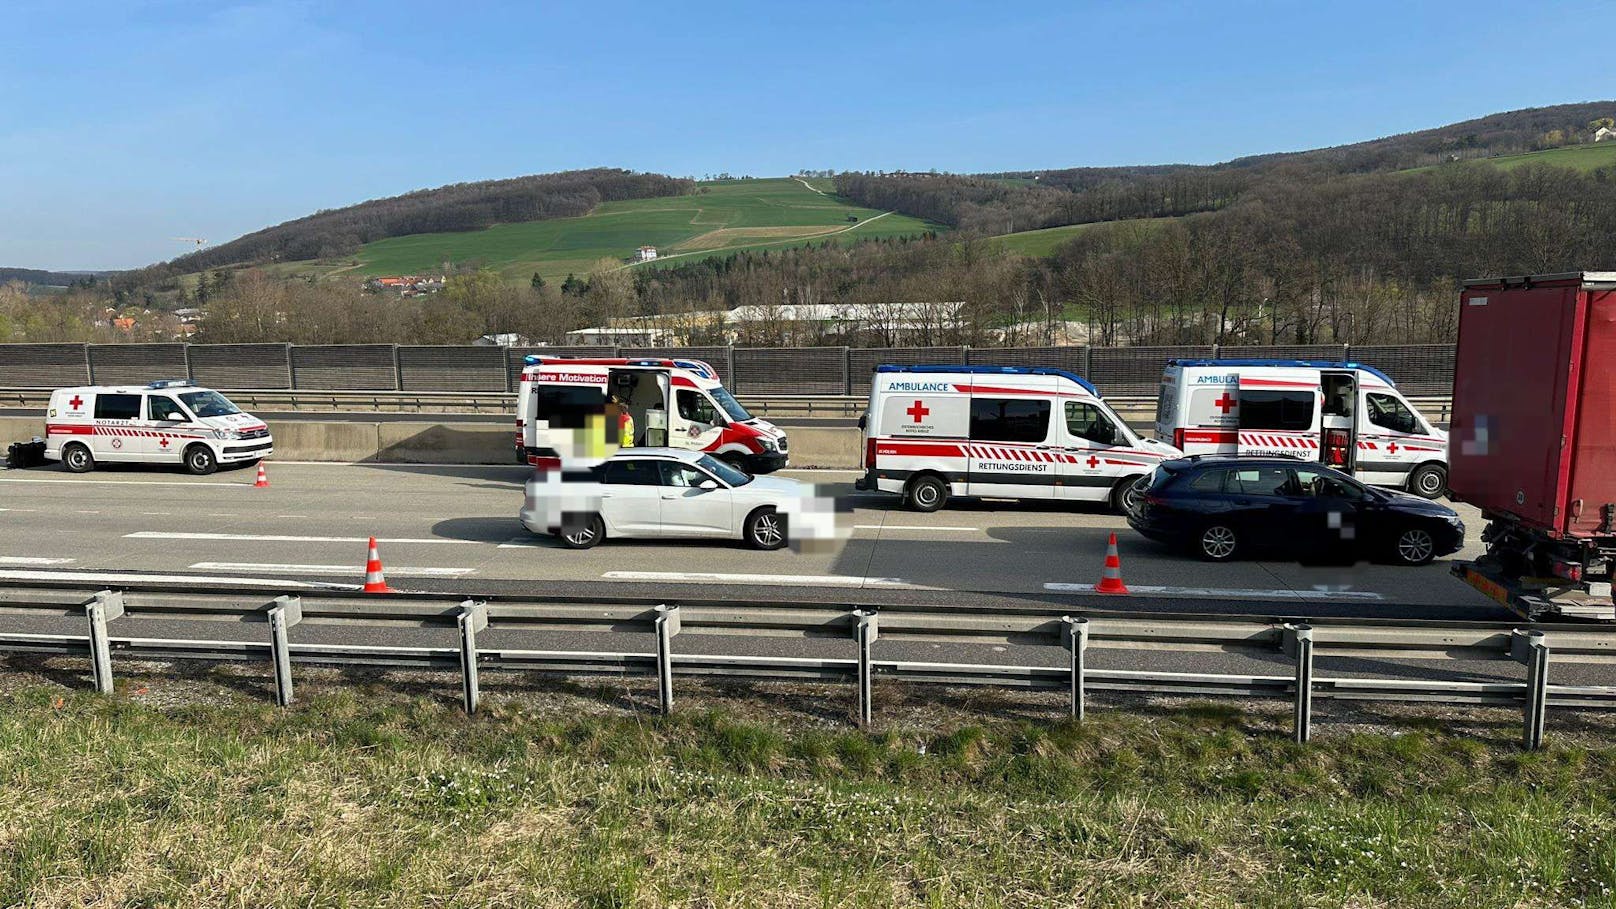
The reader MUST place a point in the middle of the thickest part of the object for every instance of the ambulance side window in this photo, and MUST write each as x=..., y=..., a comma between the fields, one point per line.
x=1086, y=421
x=1009, y=420
x=694, y=406
x=161, y=408
x=117, y=407
x=1287, y=410
x=1387, y=412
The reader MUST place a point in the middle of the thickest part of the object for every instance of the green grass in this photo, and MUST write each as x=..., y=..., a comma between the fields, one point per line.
x=362, y=797
x=724, y=216
x=1039, y=243
x=1577, y=157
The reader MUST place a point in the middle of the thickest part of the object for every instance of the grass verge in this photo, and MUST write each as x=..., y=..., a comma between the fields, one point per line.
x=362, y=796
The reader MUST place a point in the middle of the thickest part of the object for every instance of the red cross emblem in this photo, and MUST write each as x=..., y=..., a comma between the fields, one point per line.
x=918, y=412
x=76, y=403
x=163, y=442
x=1392, y=448
x=1225, y=403
x=1093, y=462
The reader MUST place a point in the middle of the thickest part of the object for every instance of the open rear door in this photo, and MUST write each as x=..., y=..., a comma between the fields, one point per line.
x=1279, y=413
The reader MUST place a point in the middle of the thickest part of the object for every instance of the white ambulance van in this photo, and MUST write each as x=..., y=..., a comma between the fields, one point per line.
x=1346, y=415
x=167, y=422
x=673, y=403
x=1000, y=432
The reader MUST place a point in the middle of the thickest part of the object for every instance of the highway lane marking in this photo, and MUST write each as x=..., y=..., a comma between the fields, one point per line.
x=303, y=516
x=19, y=510
x=269, y=568
x=84, y=511
x=1226, y=593
x=224, y=515
x=32, y=560
x=276, y=538
x=125, y=482
x=791, y=580
x=913, y=527
x=155, y=514
x=124, y=577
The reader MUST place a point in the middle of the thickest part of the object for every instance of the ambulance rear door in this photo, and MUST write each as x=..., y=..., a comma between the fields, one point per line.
x=1206, y=413
x=1279, y=413
x=923, y=421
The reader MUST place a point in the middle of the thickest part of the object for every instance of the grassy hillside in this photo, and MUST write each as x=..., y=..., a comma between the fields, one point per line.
x=1039, y=243
x=1577, y=157
x=722, y=217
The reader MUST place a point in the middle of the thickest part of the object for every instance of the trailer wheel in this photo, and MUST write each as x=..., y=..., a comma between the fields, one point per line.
x=1428, y=480
x=927, y=493
x=77, y=458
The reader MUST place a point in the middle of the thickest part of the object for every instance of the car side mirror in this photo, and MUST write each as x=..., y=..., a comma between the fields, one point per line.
x=708, y=484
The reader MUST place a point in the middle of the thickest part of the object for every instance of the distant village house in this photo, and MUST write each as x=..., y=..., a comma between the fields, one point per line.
x=645, y=254
x=1603, y=133
x=407, y=285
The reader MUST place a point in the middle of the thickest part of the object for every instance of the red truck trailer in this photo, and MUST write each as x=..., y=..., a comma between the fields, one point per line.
x=1532, y=440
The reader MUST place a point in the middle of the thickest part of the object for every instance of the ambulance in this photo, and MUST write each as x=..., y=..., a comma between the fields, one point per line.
x=166, y=422
x=1345, y=415
x=670, y=403
x=1013, y=432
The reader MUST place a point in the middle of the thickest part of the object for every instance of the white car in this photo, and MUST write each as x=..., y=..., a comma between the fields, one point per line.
x=671, y=492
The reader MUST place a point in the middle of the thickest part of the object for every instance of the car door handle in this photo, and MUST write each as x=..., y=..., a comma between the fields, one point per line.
x=605, y=495
x=669, y=496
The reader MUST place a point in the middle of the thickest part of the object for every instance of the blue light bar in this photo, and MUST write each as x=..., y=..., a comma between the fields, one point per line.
x=1293, y=364
x=995, y=371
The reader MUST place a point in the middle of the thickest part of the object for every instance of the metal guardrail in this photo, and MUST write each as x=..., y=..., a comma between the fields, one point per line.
x=1078, y=634
x=1136, y=409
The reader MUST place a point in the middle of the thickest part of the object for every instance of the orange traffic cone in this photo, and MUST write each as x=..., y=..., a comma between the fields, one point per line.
x=263, y=479
x=374, y=581
x=1111, y=577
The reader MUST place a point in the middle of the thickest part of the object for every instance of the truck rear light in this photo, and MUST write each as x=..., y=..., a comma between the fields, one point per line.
x=1571, y=571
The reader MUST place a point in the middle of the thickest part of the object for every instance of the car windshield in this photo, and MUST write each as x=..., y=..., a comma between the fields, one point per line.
x=734, y=476
x=731, y=406
x=209, y=404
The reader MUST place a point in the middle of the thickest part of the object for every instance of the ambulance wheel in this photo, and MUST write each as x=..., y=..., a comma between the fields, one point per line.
x=766, y=529
x=1217, y=543
x=1428, y=480
x=585, y=535
x=199, y=460
x=77, y=458
x=927, y=493
x=1126, y=494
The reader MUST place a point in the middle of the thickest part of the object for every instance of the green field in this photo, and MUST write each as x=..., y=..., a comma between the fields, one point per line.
x=721, y=217
x=194, y=792
x=1039, y=243
x=1577, y=157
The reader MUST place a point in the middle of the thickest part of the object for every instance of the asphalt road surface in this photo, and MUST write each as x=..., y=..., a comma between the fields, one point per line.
x=454, y=529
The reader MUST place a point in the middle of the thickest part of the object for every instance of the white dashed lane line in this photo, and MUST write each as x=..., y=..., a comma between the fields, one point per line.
x=31, y=560
x=787, y=580
x=1224, y=593
x=267, y=568
x=277, y=538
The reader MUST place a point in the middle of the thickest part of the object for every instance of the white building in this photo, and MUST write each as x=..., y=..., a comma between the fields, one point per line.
x=1603, y=133
x=645, y=254
x=620, y=337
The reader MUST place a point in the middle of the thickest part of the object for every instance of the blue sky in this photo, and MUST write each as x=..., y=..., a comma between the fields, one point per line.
x=125, y=124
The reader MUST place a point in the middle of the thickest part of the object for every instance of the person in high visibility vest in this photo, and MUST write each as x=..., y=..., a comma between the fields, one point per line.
x=625, y=424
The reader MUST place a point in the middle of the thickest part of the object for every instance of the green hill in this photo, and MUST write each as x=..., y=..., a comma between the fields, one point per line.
x=1577, y=157
x=721, y=217
x=1039, y=243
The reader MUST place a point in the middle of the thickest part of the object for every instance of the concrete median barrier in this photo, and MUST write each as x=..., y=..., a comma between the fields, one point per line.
x=20, y=429
x=308, y=440
x=830, y=446
x=446, y=443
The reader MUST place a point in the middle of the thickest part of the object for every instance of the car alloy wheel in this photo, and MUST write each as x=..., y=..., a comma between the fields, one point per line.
x=586, y=536
x=1218, y=543
x=767, y=530
x=1415, y=546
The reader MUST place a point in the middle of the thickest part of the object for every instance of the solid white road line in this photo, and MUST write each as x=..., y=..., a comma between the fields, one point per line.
x=269, y=568
x=1229, y=593
x=31, y=560
x=121, y=577
x=790, y=580
x=127, y=482
x=276, y=538
x=913, y=527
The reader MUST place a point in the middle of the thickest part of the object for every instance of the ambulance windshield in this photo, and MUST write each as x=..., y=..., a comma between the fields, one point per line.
x=731, y=406
x=209, y=404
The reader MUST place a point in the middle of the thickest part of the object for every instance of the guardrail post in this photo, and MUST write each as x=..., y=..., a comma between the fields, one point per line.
x=1299, y=647
x=473, y=618
x=1532, y=648
x=667, y=625
x=865, y=630
x=1075, y=637
x=107, y=605
x=285, y=612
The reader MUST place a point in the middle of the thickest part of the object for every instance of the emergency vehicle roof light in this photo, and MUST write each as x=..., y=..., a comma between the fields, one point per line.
x=697, y=367
x=169, y=383
x=1301, y=364
x=995, y=370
